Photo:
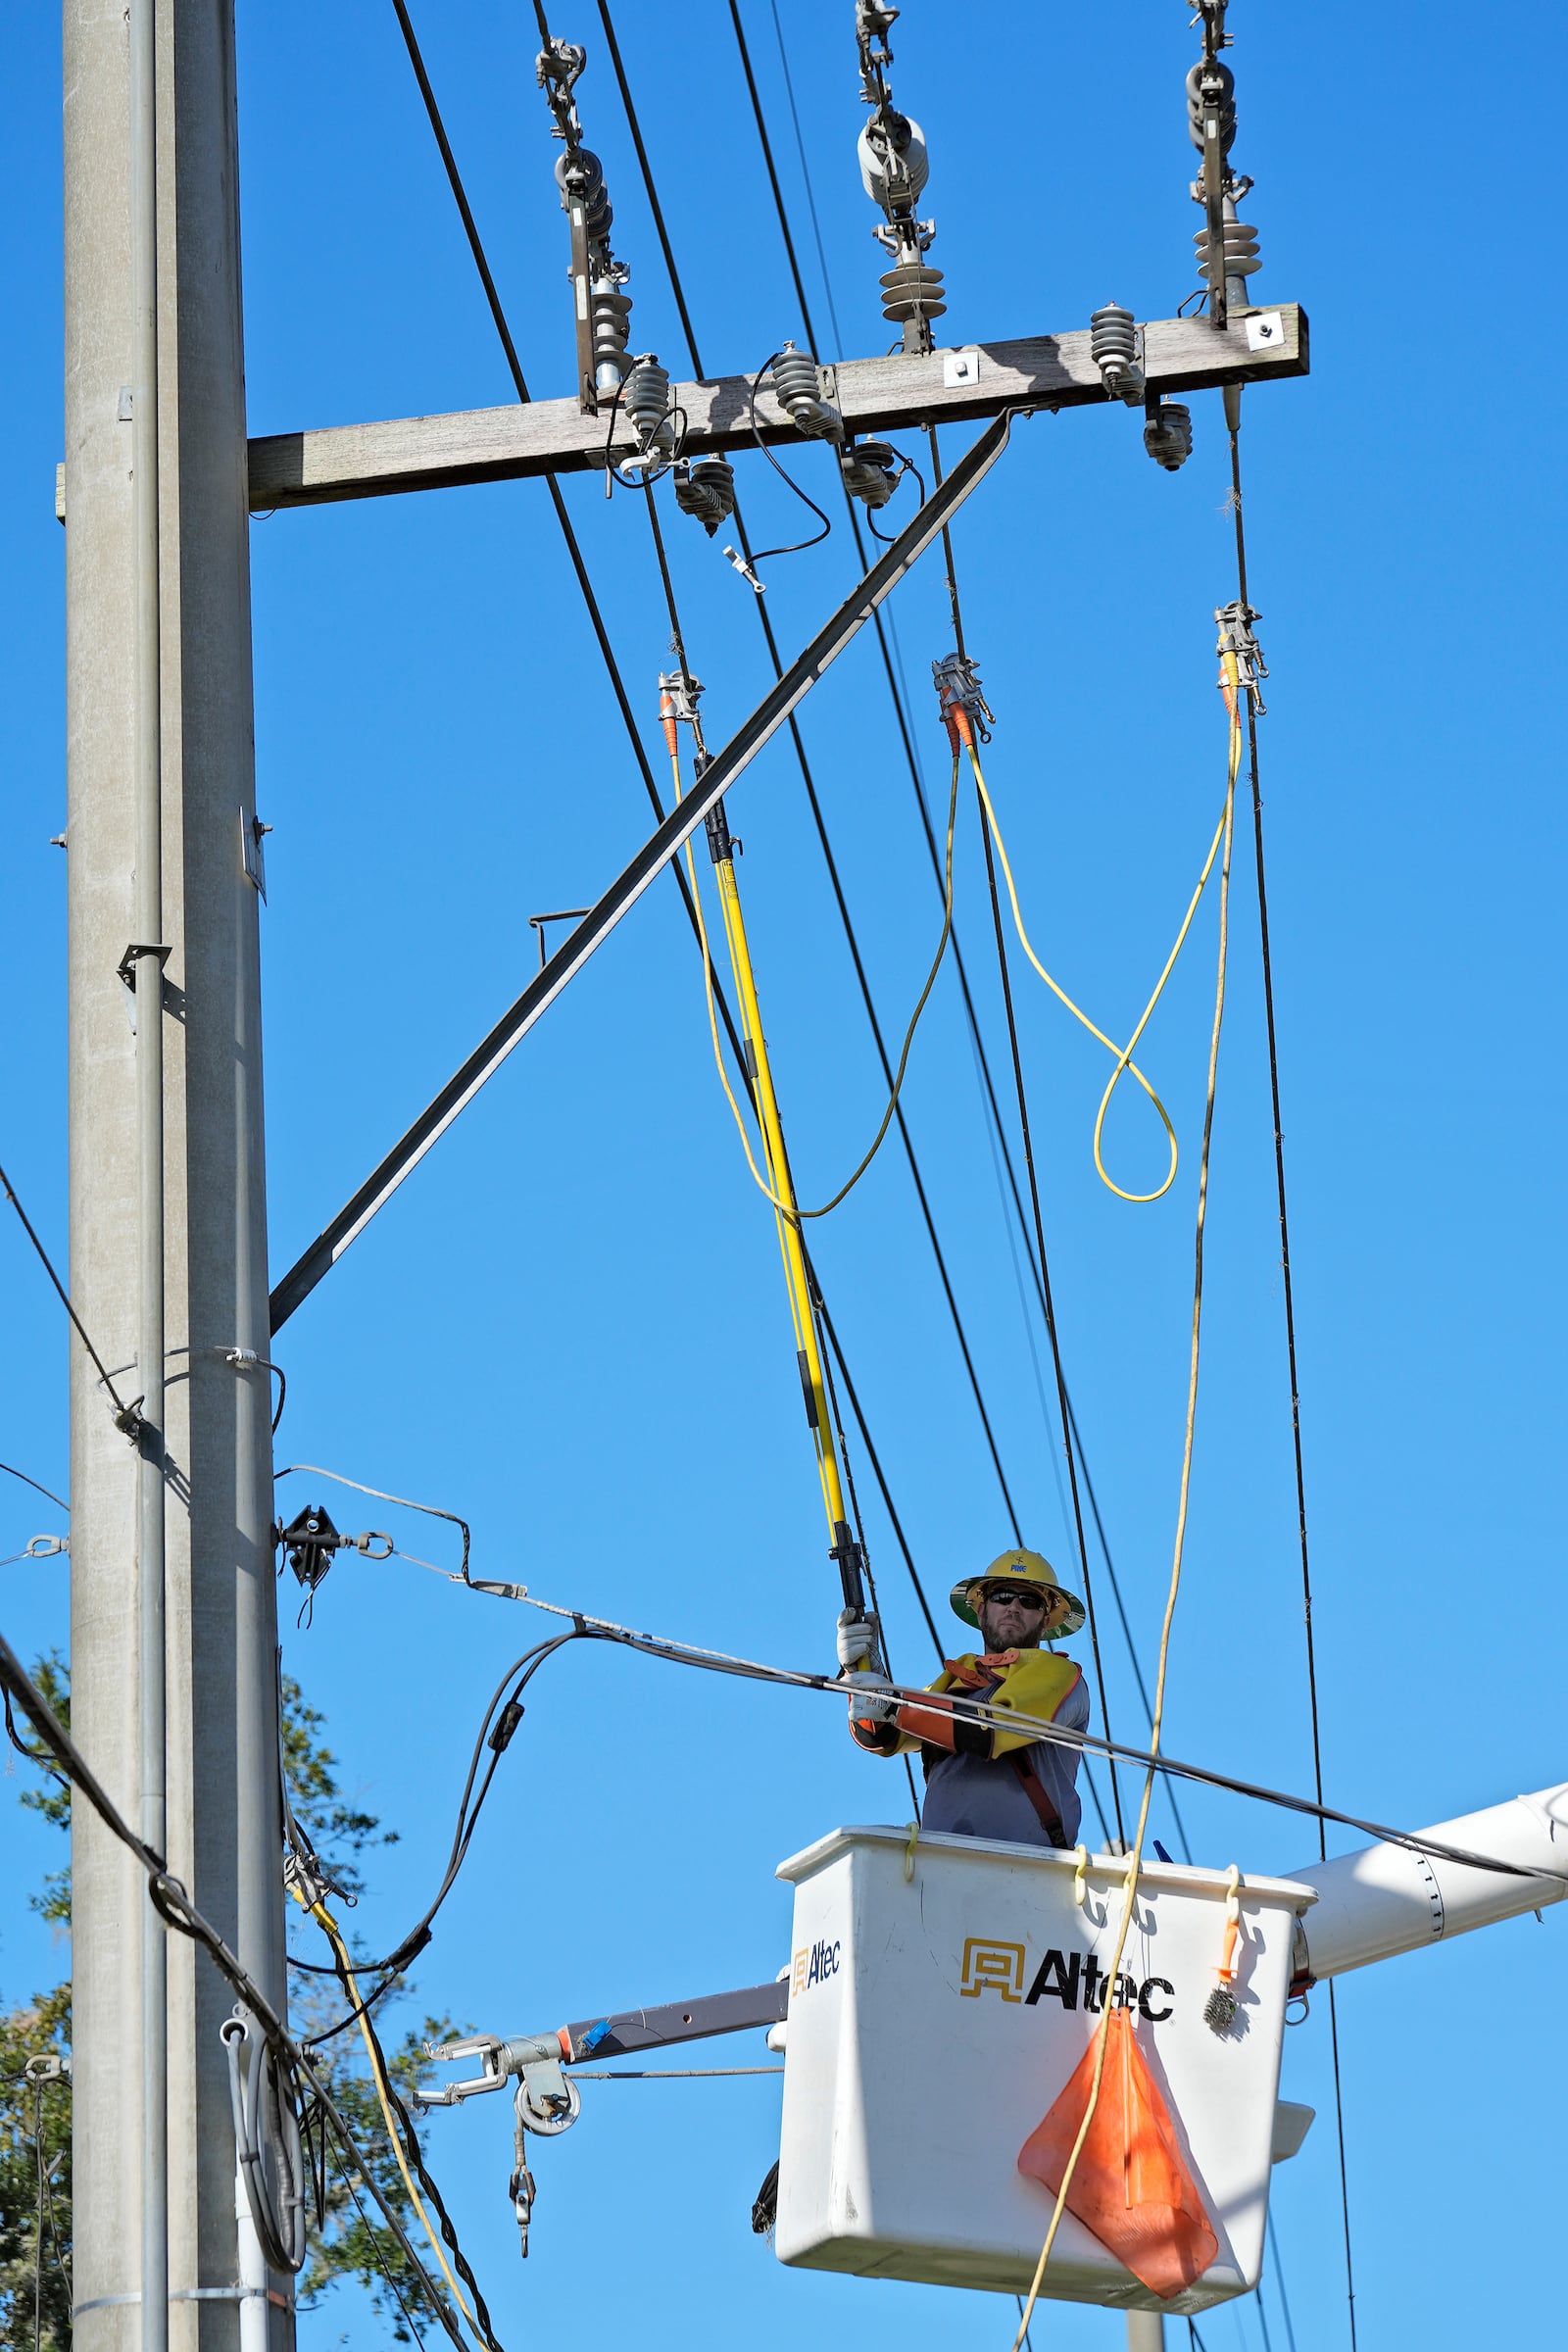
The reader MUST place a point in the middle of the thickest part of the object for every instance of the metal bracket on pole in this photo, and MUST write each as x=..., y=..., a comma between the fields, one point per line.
x=770, y=714
x=126, y=967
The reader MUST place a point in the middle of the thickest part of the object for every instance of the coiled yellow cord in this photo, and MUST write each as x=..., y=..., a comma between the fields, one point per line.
x=1123, y=1054
x=786, y=1208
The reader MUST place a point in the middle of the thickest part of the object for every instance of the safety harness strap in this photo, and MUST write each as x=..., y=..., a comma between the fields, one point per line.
x=1030, y=1781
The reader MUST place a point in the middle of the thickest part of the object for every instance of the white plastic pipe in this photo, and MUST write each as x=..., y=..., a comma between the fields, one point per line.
x=1386, y=1899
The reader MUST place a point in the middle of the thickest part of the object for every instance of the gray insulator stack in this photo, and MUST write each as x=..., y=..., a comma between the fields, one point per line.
x=610, y=310
x=869, y=470
x=1169, y=433
x=645, y=402
x=1113, y=348
x=706, y=487
x=911, y=291
x=797, y=388
x=1241, y=252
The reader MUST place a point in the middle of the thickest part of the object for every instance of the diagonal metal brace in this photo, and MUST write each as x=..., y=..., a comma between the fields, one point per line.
x=660, y=847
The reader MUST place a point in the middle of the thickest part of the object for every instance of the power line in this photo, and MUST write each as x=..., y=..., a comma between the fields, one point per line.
x=1040, y=1271
x=34, y=1484
x=816, y=813
x=558, y=502
x=1234, y=419
x=176, y=1910
x=379, y=2258
x=514, y=365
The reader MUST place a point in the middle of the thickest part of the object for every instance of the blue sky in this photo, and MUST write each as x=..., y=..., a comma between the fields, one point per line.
x=569, y=1325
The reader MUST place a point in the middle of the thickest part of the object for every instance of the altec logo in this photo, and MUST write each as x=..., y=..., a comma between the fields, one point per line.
x=812, y=1966
x=990, y=1965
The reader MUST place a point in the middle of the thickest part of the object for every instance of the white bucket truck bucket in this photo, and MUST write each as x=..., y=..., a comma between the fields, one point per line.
x=933, y=2019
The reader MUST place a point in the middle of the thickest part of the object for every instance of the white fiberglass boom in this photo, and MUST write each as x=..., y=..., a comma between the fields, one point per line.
x=1386, y=1899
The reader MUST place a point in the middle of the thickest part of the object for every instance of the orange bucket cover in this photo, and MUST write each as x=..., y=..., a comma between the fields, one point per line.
x=1131, y=2186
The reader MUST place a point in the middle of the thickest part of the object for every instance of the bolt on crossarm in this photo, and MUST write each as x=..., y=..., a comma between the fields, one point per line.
x=677, y=705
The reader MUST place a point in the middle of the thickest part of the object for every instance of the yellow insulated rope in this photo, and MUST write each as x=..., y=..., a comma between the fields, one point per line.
x=329, y=1928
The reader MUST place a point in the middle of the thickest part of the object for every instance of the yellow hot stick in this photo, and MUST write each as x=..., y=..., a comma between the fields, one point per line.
x=788, y=1221
x=781, y=1183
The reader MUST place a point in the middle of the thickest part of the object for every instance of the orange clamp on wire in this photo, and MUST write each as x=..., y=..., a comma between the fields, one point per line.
x=966, y=712
x=666, y=713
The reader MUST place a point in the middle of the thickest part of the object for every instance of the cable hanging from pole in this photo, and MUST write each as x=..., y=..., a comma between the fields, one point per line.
x=1244, y=615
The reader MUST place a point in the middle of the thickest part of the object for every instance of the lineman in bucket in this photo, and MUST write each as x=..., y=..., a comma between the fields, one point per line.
x=982, y=1780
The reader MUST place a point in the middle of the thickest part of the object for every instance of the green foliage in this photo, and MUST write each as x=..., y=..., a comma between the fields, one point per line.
x=338, y=1831
x=351, y=2240
x=34, y=2235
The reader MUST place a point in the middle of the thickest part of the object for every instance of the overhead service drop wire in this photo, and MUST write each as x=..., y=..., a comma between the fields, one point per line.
x=1232, y=689
x=1234, y=418
x=176, y=1910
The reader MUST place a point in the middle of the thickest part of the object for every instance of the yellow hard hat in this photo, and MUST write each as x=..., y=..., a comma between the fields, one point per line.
x=1064, y=1615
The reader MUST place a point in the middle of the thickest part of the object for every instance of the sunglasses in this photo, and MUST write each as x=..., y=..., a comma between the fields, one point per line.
x=1023, y=1596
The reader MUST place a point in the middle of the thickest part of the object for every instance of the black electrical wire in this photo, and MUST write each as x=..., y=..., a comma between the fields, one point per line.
x=795, y=546
x=973, y=1710
x=517, y=1678
x=1052, y=1332
x=900, y=714
x=906, y=465
x=65, y=1300
x=573, y=549
x=736, y=1051
x=416, y=2156
x=816, y=813
x=806, y=175
x=1290, y=1331
x=1278, y=2281
x=897, y=1524
x=379, y=2258
x=34, y=1484
x=176, y=1910
x=1043, y=1277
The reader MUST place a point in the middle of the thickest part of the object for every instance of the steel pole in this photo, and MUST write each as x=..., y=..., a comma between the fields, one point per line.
x=160, y=798
x=1146, y=2331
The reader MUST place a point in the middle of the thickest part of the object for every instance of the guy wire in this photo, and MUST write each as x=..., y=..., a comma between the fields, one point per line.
x=65, y=1300
x=1289, y=1333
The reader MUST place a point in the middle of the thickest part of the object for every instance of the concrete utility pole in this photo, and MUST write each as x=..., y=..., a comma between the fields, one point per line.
x=172, y=1622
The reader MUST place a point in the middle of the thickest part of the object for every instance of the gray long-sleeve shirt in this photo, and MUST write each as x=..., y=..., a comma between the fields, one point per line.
x=974, y=1796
